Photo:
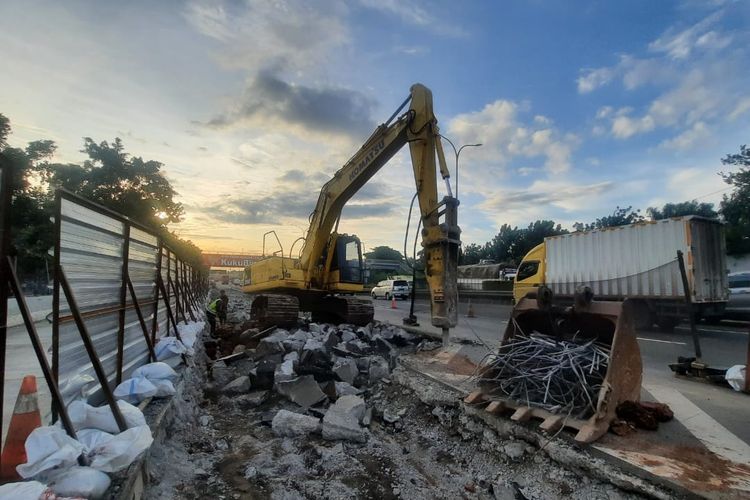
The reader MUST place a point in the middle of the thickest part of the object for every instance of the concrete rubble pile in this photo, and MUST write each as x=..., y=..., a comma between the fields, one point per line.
x=324, y=369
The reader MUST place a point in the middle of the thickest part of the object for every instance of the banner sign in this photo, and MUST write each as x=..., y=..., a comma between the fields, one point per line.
x=229, y=260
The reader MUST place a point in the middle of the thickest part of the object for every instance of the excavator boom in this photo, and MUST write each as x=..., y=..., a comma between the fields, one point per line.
x=440, y=233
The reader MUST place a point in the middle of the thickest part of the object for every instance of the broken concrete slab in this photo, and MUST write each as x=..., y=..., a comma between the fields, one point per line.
x=284, y=372
x=346, y=369
x=347, y=335
x=330, y=339
x=222, y=374
x=345, y=389
x=302, y=390
x=237, y=386
x=378, y=369
x=261, y=377
x=342, y=419
x=358, y=347
x=270, y=345
x=290, y=424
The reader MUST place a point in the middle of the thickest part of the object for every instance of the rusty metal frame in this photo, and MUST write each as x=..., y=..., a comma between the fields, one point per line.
x=9, y=281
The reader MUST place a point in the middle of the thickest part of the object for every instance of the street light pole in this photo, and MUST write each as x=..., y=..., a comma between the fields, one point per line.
x=457, y=152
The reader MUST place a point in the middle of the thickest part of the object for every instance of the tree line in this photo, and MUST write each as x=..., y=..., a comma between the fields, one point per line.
x=109, y=176
x=511, y=243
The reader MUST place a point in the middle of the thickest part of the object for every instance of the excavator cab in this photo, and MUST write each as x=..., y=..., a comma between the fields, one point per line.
x=346, y=264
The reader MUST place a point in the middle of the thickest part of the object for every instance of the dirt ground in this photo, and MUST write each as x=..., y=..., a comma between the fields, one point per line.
x=419, y=445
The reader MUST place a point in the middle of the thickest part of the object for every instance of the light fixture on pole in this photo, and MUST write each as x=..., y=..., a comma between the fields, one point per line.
x=457, y=152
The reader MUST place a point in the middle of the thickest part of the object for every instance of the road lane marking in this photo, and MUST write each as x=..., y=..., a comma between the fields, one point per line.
x=711, y=433
x=661, y=341
x=706, y=330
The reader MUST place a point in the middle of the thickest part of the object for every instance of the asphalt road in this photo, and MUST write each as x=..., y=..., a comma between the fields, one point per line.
x=723, y=346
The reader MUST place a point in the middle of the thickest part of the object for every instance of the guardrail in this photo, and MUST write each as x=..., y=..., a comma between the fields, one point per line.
x=117, y=289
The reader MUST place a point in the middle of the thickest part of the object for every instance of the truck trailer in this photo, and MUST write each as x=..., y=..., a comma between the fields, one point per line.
x=636, y=262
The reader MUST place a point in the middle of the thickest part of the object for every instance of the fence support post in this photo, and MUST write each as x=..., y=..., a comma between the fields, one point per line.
x=91, y=350
x=38, y=348
x=123, y=301
x=137, y=307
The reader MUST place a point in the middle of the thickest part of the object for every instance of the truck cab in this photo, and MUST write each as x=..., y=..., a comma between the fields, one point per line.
x=530, y=274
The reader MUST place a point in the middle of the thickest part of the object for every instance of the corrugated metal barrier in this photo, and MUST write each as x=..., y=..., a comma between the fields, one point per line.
x=117, y=289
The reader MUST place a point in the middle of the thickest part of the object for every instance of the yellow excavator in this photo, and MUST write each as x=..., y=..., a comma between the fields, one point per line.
x=328, y=271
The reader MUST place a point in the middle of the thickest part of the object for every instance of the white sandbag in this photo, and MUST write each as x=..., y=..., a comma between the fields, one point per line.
x=735, y=376
x=168, y=347
x=164, y=388
x=75, y=387
x=155, y=371
x=189, y=332
x=25, y=490
x=49, y=448
x=92, y=438
x=121, y=450
x=135, y=390
x=80, y=482
x=83, y=415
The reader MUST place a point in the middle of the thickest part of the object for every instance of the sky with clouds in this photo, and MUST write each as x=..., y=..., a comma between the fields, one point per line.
x=252, y=105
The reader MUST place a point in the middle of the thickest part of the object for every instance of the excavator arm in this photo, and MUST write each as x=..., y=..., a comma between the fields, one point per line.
x=440, y=240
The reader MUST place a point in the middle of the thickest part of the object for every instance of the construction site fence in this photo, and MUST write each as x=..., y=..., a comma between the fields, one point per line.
x=118, y=288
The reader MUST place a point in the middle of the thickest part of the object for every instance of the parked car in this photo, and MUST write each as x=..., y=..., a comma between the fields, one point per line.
x=738, y=305
x=388, y=289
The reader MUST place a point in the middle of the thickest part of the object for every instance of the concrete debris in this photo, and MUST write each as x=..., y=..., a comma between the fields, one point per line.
x=515, y=449
x=237, y=386
x=222, y=374
x=346, y=369
x=378, y=369
x=423, y=444
x=261, y=377
x=238, y=349
x=284, y=372
x=290, y=424
x=302, y=390
x=342, y=420
x=345, y=389
x=246, y=337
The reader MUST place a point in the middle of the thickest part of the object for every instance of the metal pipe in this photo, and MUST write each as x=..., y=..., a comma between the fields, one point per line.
x=123, y=302
x=133, y=297
x=689, y=305
x=5, y=206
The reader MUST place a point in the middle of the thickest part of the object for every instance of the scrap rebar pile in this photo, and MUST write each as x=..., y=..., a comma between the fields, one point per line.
x=560, y=376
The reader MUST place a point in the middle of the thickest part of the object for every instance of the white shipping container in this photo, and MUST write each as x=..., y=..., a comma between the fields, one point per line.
x=640, y=260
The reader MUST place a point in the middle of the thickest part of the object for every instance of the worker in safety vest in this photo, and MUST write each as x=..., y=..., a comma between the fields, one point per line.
x=211, y=311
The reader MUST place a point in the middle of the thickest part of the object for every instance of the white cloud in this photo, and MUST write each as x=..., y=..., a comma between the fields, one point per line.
x=257, y=34
x=417, y=15
x=506, y=136
x=592, y=79
x=695, y=182
x=701, y=77
x=689, y=138
x=680, y=44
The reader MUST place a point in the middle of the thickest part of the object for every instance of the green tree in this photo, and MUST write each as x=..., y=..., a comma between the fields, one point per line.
x=129, y=185
x=125, y=184
x=471, y=254
x=692, y=207
x=735, y=207
x=620, y=217
x=384, y=253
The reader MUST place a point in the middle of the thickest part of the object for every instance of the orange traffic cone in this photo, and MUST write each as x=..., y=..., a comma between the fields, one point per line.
x=26, y=418
x=393, y=302
x=470, y=312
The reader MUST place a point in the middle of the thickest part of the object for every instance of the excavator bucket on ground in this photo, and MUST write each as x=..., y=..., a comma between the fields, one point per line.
x=570, y=367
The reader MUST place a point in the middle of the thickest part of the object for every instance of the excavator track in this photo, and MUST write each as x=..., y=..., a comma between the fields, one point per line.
x=275, y=310
x=343, y=310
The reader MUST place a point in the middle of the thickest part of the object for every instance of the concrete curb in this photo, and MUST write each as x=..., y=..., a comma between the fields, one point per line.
x=36, y=316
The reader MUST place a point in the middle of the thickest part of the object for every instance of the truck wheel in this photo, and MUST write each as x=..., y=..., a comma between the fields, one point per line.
x=373, y=296
x=667, y=323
